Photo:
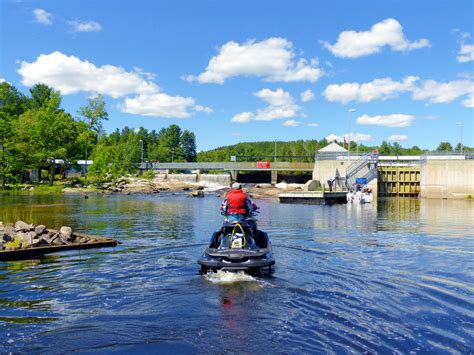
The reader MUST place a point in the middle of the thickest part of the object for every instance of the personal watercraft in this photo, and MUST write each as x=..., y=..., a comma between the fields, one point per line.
x=237, y=246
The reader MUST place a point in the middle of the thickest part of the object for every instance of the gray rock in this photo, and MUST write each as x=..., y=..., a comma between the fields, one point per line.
x=40, y=229
x=21, y=226
x=66, y=232
x=10, y=231
x=198, y=193
x=23, y=239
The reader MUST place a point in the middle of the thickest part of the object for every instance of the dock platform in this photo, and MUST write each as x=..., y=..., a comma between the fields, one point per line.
x=314, y=197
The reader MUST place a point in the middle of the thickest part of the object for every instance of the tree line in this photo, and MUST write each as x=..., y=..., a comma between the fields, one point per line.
x=305, y=150
x=35, y=132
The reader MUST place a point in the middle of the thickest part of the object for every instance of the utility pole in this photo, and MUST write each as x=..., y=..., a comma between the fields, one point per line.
x=349, y=134
x=460, y=127
x=275, y=152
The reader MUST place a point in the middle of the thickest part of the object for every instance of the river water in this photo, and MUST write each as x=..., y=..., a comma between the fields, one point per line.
x=392, y=277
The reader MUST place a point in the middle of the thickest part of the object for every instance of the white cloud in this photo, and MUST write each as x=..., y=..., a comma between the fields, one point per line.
x=243, y=117
x=313, y=124
x=355, y=137
x=394, y=120
x=280, y=105
x=447, y=92
x=291, y=123
x=3, y=81
x=307, y=96
x=204, y=109
x=158, y=105
x=466, y=53
x=378, y=89
x=70, y=75
x=272, y=59
x=469, y=102
x=43, y=17
x=85, y=26
x=389, y=32
x=397, y=138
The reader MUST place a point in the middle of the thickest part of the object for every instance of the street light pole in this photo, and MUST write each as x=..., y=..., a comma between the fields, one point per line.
x=349, y=134
x=141, y=142
x=275, y=152
x=460, y=127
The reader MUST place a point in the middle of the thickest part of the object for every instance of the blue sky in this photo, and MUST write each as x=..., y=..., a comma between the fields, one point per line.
x=237, y=71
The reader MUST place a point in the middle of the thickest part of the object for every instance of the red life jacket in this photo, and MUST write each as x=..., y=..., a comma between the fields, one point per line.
x=236, y=202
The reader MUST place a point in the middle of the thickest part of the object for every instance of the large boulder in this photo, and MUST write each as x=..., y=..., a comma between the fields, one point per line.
x=311, y=185
x=21, y=226
x=66, y=233
x=41, y=229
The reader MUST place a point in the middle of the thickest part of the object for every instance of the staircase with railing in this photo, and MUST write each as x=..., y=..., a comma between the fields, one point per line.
x=364, y=167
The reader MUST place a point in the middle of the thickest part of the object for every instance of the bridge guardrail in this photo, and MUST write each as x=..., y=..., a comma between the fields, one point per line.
x=296, y=166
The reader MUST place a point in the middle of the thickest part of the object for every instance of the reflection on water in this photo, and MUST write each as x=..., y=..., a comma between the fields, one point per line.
x=395, y=276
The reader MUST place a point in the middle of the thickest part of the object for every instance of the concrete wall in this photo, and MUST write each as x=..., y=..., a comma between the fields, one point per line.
x=324, y=169
x=447, y=179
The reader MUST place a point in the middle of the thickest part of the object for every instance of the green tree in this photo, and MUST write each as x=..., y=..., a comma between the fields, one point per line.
x=94, y=113
x=45, y=134
x=188, y=142
x=444, y=147
x=41, y=95
x=12, y=105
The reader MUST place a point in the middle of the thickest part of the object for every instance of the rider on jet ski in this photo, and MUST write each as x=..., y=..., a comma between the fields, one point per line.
x=237, y=206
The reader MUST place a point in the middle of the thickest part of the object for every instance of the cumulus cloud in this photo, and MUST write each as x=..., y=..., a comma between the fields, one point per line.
x=394, y=120
x=397, y=138
x=466, y=53
x=389, y=32
x=43, y=17
x=469, y=102
x=291, y=123
x=3, y=81
x=71, y=75
x=272, y=59
x=243, y=117
x=85, y=26
x=355, y=137
x=204, y=109
x=378, y=89
x=280, y=105
x=307, y=96
x=435, y=92
x=158, y=105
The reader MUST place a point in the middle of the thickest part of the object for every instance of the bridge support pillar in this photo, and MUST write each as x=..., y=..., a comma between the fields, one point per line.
x=234, y=175
x=274, y=177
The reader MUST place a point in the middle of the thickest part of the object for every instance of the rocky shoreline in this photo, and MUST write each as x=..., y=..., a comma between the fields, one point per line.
x=22, y=235
x=133, y=185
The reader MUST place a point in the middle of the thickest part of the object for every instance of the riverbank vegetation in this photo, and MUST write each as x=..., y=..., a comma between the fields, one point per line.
x=37, y=134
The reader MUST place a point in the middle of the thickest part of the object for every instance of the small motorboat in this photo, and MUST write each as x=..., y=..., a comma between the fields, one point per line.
x=238, y=246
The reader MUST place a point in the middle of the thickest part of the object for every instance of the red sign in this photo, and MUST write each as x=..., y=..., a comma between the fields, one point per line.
x=263, y=165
